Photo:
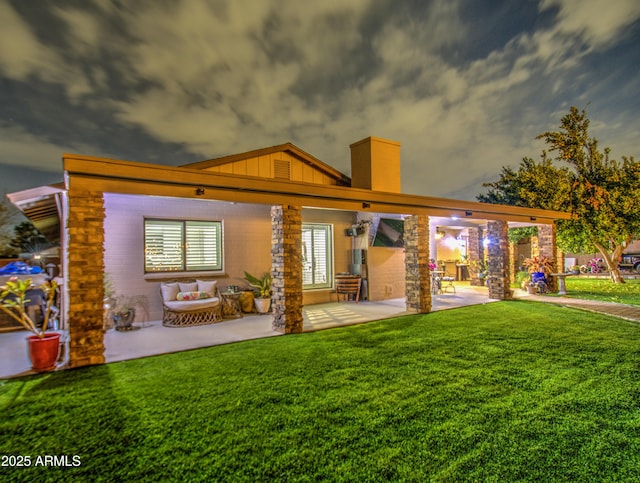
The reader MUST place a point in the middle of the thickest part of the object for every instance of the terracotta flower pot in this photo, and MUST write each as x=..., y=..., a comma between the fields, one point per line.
x=44, y=351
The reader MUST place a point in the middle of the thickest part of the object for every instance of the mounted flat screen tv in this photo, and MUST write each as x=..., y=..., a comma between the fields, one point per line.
x=390, y=233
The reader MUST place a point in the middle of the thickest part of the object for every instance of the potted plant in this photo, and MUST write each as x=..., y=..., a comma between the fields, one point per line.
x=123, y=312
x=539, y=267
x=107, y=301
x=480, y=268
x=44, y=347
x=522, y=279
x=122, y=309
x=262, y=289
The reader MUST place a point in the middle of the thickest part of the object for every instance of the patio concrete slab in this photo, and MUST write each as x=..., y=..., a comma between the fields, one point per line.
x=152, y=338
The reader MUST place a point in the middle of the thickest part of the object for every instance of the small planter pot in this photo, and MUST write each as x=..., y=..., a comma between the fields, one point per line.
x=123, y=321
x=262, y=305
x=44, y=351
x=246, y=301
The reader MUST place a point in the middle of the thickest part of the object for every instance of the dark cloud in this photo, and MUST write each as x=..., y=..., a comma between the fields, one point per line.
x=464, y=85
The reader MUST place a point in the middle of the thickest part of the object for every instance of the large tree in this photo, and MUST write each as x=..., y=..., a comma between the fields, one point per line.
x=602, y=193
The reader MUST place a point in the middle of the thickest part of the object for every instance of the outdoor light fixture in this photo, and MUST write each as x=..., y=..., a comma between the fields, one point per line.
x=199, y=190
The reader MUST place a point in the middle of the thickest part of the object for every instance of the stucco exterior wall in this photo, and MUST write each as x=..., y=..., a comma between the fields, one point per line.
x=386, y=273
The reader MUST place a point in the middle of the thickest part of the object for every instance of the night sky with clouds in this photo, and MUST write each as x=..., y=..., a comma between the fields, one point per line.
x=464, y=85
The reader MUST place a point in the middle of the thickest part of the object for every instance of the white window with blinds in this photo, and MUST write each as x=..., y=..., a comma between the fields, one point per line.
x=317, y=255
x=182, y=245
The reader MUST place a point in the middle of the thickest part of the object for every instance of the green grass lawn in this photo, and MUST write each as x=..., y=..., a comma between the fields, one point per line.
x=604, y=289
x=503, y=392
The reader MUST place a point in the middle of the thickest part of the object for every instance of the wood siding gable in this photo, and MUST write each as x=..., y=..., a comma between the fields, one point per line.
x=284, y=162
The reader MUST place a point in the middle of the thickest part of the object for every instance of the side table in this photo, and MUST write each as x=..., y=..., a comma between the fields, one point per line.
x=231, y=307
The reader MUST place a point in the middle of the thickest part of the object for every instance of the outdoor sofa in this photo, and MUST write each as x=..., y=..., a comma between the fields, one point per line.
x=188, y=303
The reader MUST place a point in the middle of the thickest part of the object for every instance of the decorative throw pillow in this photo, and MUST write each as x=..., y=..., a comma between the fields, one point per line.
x=192, y=295
x=208, y=286
x=188, y=286
x=169, y=291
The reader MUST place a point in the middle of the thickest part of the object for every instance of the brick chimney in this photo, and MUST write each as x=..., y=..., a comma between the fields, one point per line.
x=375, y=165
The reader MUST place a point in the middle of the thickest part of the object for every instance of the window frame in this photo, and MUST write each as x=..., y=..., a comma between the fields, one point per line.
x=217, y=267
x=329, y=256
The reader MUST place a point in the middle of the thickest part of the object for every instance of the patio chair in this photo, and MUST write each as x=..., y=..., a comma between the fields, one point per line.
x=448, y=284
x=186, y=304
x=348, y=285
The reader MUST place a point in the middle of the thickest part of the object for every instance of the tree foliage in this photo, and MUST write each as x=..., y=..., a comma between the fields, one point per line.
x=28, y=239
x=521, y=233
x=9, y=217
x=601, y=192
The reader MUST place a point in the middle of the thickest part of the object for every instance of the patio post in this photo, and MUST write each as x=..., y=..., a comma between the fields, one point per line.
x=548, y=248
x=475, y=251
x=498, y=251
x=286, y=268
x=513, y=261
x=85, y=283
x=416, y=259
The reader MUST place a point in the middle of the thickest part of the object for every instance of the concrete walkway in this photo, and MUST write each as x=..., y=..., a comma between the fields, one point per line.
x=623, y=311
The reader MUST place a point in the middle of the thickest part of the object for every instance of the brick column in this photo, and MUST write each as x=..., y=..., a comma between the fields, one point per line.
x=535, y=245
x=547, y=247
x=513, y=261
x=499, y=277
x=84, y=278
x=286, y=268
x=416, y=260
x=475, y=252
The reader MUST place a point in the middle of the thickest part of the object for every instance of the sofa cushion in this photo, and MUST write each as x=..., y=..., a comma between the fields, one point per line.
x=188, y=286
x=208, y=286
x=192, y=295
x=169, y=291
x=187, y=305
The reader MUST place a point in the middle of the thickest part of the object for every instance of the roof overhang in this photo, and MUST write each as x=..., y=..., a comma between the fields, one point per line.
x=108, y=175
x=42, y=207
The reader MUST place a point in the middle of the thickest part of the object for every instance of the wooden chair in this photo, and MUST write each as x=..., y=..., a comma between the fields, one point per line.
x=348, y=285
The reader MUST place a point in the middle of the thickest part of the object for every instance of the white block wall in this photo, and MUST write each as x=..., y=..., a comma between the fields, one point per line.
x=246, y=238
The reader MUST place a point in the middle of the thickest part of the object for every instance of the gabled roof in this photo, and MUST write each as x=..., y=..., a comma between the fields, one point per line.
x=293, y=150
